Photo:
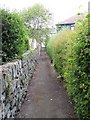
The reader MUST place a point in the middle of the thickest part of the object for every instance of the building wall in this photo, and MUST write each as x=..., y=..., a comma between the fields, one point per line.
x=65, y=26
x=33, y=43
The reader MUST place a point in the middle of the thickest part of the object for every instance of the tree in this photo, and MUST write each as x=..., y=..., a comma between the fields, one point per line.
x=37, y=19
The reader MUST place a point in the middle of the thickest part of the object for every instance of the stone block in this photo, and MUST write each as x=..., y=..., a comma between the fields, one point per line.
x=15, y=79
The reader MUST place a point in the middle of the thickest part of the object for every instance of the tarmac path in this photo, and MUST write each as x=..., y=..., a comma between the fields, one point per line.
x=46, y=96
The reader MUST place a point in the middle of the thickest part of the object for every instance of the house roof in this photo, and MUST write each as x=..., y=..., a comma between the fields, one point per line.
x=72, y=19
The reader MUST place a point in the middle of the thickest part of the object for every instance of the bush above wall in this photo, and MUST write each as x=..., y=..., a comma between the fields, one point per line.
x=14, y=36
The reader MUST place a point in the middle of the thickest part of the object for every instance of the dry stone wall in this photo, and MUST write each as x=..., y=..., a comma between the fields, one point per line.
x=15, y=78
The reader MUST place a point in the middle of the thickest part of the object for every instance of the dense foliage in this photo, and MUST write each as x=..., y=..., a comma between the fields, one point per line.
x=57, y=50
x=37, y=19
x=14, y=36
x=70, y=52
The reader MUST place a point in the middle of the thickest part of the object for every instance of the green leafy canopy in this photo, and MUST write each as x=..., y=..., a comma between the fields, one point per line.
x=37, y=19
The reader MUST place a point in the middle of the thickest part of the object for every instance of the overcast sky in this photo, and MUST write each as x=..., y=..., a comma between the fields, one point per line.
x=61, y=9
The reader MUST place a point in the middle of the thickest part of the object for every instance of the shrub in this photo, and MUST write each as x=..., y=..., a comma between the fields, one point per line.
x=78, y=69
x=70, y=52
x=14, y=36
x=56, y=48
x=49, y=47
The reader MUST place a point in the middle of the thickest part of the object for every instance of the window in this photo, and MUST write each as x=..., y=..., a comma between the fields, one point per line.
x=72, y=28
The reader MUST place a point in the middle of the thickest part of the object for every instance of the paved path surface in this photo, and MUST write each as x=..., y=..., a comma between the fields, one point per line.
x=46, y=96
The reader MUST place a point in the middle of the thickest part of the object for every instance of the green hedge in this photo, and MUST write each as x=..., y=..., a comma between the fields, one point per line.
x=70, y=52
x=14, y=36
x=56, y=49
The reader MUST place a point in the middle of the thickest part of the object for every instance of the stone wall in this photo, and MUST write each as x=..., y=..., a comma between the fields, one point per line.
x=15, y=78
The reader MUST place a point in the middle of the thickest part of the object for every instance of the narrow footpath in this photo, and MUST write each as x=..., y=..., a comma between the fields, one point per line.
x=46, y=96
